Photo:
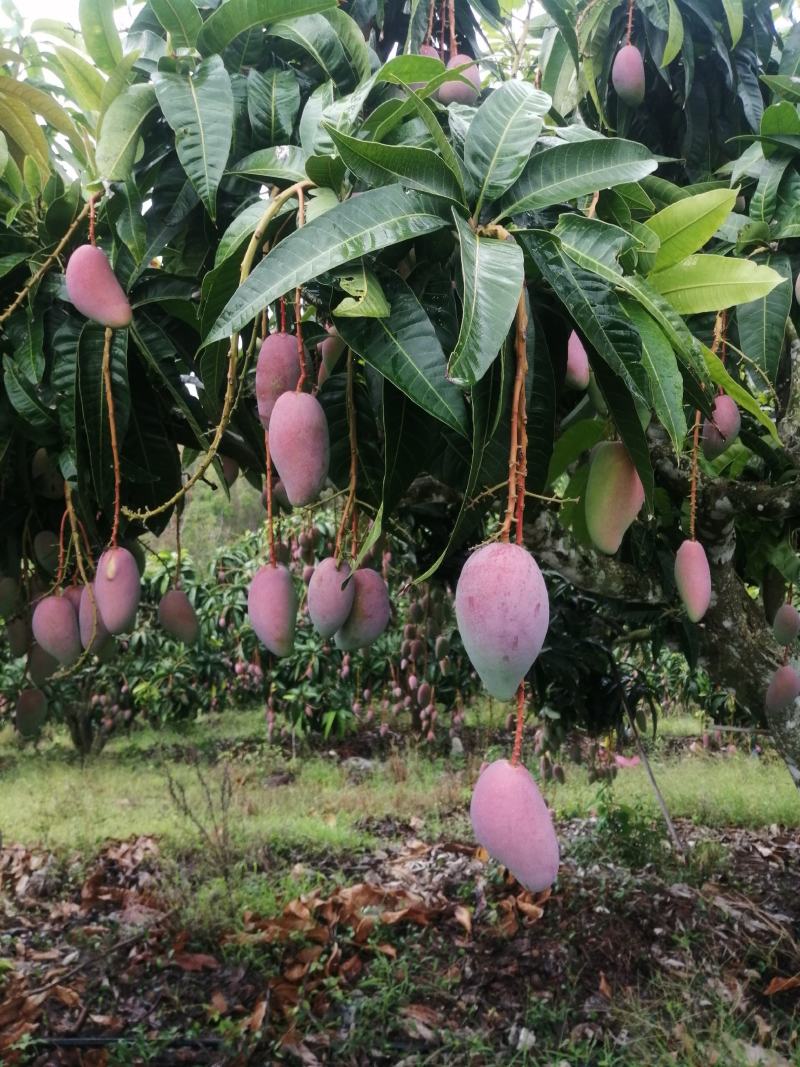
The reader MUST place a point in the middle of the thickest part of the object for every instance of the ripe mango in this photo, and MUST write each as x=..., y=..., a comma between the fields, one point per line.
x=117, y=589
x=786, y=626
x=693, y=579
x=328, y=603
x=577, y=363
x=370, y=613
x=93, y=288
x=512, y=822
x=91, y=622
x=784, y=688
x=272, y=608
x=300, y=446
x=277, y=372
x=55, y=628
x=627, y=75
x=614, y=495
x=178, y=617
x=457, y=92
x=722, y=429
x=503, y=612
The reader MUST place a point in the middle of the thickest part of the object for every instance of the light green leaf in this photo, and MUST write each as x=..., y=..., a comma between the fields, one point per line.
x=366, y=299
x=663, y=374
x=42, y=103
x=119, y=135
x=493, y=273
x=711, y=283
x=734, y=13
x=762, y=322
x=404, y=348
x=284, y=163
x=501, y=137
x=199, y=108
x=378, y=218
x=737, y=392
x=674, y=35
x=181, y=20
x=19, y=125
x=352, y=39
x=688, y=224
x=235, y=16
x=83, y=82
x=100, y=33
x=577, y=169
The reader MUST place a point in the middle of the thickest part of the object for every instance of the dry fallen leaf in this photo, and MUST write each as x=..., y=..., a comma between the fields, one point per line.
x=782, y=985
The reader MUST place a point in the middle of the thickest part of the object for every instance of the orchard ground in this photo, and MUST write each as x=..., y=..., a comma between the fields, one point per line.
x=203, y=897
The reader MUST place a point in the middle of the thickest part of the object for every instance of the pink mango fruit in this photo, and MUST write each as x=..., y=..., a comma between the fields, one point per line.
x=457, y=92
x=627, y=75
x=55, y=628
x=786, y=625
x=614, y=495
x=577, y=363
x=370, y=613
x=300, y=446
x=93, y=629
x=329, y=605
x=178, y=617
x=272, y=608
x=93, y=288
x=722, y=429
x=117, y=589
x=784, y=688
x=277, y=372
x=693, y=579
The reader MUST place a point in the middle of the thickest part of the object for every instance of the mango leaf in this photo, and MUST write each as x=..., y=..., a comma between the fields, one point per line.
x=352, y=39
x=19, y=125
x=711, y=283
x=91, y=410
x=236, y=16
x=578, y=438
x=576, y=169
x=674, y=35
x=366, y=298
x=501, y=137
x=762, y=322
x=688, y=224
x=26, y=333
x=284, y=163
x=493, y=273
x=592, y=304
x=734, y=13
x=317, y=37
x=564, y=20
x=381, y=164
x=84, y=84
x=273, y=104
x=542, y=404
x=199, y=108
x=764, y=201
x=42, y=103
x=737, y=392
x=130, y=224
x=100, y=33
x=663, y=374
x=404, y=348
x=181, y=20
x=38, y=421
x=332, y=396
x=378, y=218
x=119, y=134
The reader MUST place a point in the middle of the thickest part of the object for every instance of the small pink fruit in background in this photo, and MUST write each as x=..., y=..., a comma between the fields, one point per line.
x=300, y=446
x=722, y=429
x=117, y=589
x=55, y=627
x=230, y=469
x=784, y=688
x=693, y=579
x=786, y=625
x=272, y=608
x=370, y=613
x=503, y=612
x=511, y=820
x=577, y=363
x=457, y=92
x=178, y=617
x=277, y=372
x=614, y=495
x=93, y=288
x=627, y=75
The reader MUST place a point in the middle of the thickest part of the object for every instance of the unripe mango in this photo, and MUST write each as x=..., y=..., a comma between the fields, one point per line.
x=18, y=636
x=117, y=588
x=41, y=665
x=55, y=627
x=9, y=596
x=577, y=363
x=786, y=626
x=370, y=613
x=783, y=689
x=277, y=372
x=503, y=612
x=328, y=603
x=330, y=351
x=90, y=622
x=31, y=712
x=47, y=478
x=300, y=446
x=627, y=75
x=722, y=429
x=693, y=579
x=178, y=617
x=457, y=92
x=614, y=495
x=512, y=822
x=93, y=288
x=272, y=608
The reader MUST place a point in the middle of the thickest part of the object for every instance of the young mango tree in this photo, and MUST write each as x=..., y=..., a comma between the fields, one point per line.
x=430, y=289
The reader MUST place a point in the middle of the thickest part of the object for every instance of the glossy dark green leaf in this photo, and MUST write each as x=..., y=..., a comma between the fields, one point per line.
x=273, y=104
x=181, y=20
x=762, y=322
x=234, y=17
x=663, y=375
x=286, y=163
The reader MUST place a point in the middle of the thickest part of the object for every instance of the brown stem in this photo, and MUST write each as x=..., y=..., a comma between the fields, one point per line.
x=112, y=426
x=75, y=528
x=693, y=488
x=92, y=236
x=516, y=752
x=178, y=547
x=522, y=414
x=60, y=575
x=230, y=391
x=518, y=398
x=443, y=20
x=431, y=13
x=45, y=267
x=629, y=30
x=298, y=310
x=451, y=13
x=273, y=559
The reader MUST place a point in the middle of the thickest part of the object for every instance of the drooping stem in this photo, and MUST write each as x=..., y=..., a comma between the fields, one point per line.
x=61, y=554
x=112, y=428
x=273, y=559
x=283, y=314
x=298, y=308
x=693, y=485
x=233, y=357
x=516, y=752
x=349, y=507
x=517, y=406
x=522, y=413
x=178, y=547
x=443, y=20
x=45, y=267
x=629, y=29
x=92, y=235
x=451, y=14
x=429, y=28
x=75, y=533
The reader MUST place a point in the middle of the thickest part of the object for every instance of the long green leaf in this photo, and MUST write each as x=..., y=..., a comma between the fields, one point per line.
x=236, y=16
x=737, y=392
x=284, y=163
x=493, y=273
x=273, y=104
x=355, y=228
x=501, y=137
x=711, y=283
x=38, y=421
x=663, y=374
x=317, y=37
x=762, y=322
x=381, y=164
x=577, y=169
x=181, y=20
x=42, y=103
x=100, y=33
x=119, y=135
x=687, y=225
x=199, y=107
x=404, y=348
